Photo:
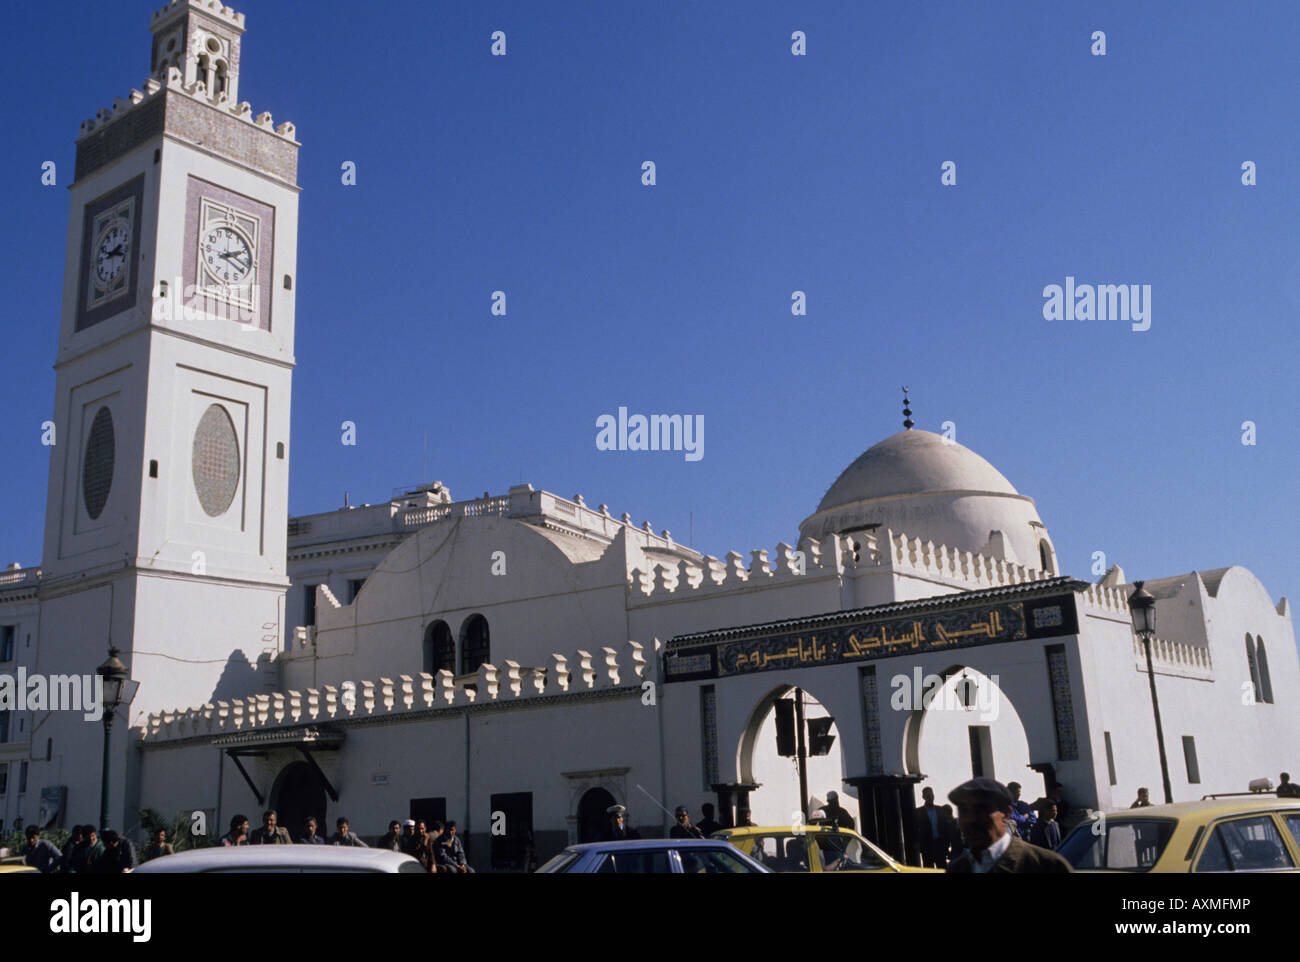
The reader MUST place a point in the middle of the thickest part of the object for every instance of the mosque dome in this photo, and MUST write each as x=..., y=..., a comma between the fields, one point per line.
x=928, y=487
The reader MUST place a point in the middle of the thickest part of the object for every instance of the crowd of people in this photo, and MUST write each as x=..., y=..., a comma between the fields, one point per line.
x=992, y=819
x=87, y=852
x=437, y=848
x=1041, y=824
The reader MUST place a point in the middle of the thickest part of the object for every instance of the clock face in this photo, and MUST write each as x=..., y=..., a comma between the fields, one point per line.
x=227, y=254
x=111, y=252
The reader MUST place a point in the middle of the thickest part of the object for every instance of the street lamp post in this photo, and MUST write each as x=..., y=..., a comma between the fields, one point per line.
x=1142, y=606
x=115, y=678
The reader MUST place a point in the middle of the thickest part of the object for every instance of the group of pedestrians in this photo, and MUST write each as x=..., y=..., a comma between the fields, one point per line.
x=272, y=833
x=86, y=852
x=437, y=848
x=943, y=840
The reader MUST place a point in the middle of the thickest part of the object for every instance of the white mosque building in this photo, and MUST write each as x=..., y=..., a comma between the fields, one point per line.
x=519, y=662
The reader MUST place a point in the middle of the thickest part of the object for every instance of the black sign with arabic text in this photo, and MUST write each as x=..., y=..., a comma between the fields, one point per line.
x=920, y=633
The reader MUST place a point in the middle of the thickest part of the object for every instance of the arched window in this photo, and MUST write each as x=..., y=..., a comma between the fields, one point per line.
x=439, y=648
x=1261, y=666
x=1254, y=668
x=203, y=76
x=219, y=81
x=1045, y=556
x=475, y=648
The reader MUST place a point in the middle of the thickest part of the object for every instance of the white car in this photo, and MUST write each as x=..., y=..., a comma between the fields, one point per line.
x=654, y=856
x=282, y=859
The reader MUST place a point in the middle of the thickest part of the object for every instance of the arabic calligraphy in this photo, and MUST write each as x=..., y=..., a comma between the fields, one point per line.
x=800, y=652
x=991, y=628
x=882, y=639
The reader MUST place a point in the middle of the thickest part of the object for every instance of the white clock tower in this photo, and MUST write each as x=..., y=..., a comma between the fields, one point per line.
x=168, y=495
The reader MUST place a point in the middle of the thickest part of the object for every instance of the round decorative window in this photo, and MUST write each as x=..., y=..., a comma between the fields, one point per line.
x=97, y=469
x=215, y=461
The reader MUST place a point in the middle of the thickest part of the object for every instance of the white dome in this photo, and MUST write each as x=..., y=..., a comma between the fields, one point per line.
x=914, y=462
x=922, y=485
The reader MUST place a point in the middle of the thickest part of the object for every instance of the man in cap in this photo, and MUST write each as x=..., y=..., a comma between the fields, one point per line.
x=617, y=830
x=835, y=816
x=683, y=827
x=983, y=811
x=408, y=841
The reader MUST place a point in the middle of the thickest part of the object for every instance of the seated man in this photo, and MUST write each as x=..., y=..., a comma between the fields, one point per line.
x=451, y=853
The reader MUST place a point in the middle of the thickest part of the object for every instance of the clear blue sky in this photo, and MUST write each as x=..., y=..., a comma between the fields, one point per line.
x=775, y=173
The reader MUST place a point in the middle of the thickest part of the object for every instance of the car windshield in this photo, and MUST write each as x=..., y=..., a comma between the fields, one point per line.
x=844, y=853
x=781, y=852
x=711, y=861
x=1121, y=845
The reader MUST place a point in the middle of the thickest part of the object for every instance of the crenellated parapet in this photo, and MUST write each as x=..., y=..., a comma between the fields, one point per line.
x=213, y=8
x=1111, y=599
x=783, y=565
x=1175, y=658
x=967, y=568
x=175, y=81
x=840, y=554
x=606, y=669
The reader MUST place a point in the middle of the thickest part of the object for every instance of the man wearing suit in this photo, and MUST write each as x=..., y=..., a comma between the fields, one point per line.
x=936, y=831
x=983, y=811
x=1046, y=832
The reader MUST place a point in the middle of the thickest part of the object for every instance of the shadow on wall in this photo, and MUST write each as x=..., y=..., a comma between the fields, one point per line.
x=241, y=678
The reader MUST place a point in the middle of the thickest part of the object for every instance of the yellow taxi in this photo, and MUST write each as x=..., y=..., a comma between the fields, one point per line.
x=812, y=849
x=1224, y=834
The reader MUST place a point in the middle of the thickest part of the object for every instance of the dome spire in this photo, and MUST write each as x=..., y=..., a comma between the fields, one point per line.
x=907, y=411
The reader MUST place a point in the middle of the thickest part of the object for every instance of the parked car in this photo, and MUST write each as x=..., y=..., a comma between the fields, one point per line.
x=813, y=849
x=282, y=859
x=1241, y=834
x=655, y=855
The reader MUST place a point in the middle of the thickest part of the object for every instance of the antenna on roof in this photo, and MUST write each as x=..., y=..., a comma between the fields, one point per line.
x=907, y=411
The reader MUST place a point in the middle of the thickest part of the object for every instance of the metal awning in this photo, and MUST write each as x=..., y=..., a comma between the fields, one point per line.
x=303, y=738
x=306, y=736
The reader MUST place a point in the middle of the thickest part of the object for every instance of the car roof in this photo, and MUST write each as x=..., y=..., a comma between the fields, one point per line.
x=1208, y=808
x=273, y=856
x=648, y=843
x=747, y=830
